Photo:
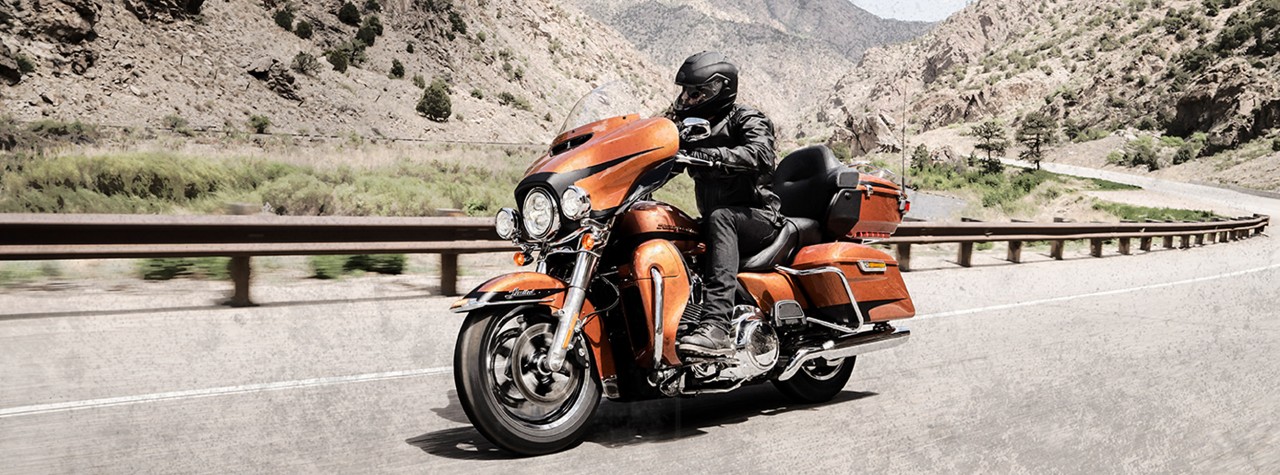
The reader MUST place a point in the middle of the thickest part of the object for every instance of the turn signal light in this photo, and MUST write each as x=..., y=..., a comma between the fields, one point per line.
x=588, y=241
x=520, y=258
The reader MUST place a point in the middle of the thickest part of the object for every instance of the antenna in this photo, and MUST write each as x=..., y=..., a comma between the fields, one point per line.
x=905, y=169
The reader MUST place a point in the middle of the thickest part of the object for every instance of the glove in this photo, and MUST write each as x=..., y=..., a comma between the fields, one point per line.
x=701, y=155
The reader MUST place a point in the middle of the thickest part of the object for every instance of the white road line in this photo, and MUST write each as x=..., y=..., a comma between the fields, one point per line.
x=360, y=378
x=223, y=391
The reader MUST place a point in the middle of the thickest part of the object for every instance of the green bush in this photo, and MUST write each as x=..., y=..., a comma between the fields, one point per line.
x=419, y=81
x=456, y=23
x=25, y=64
x=259, y=123
x=372, y=6
x=303, y=29
x=397, y=69
x=1140, y=213
x=477, y=93
x=327, y=267
x=305, y=63
x=168, y=268
x=435, y=103
x=1275, y=145
x=284, y=17
x=349, y=14
x=509, y=99
x=333, y=267
x=177, y=124
x=370, y=30
x=408, y=48
x=338, y=59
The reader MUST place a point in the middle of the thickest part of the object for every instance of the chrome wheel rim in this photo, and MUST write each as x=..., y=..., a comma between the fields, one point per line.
x=526, y=393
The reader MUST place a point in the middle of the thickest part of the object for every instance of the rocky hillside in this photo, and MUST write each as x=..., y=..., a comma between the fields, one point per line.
x=1179, y=67
x=511, y=69
x=790, y=51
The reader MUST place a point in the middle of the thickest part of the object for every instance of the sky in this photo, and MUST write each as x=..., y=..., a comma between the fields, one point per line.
x=919, y=10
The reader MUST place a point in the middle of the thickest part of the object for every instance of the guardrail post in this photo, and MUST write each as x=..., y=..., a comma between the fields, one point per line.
x=1213, y=237
x=239, y=268
x=449, y=274
x=1015, y=252
x=1225, y=236
x=1186, y=242
x=1144, y=244
x=1055, y=249
x=904, y=257
x=1095, y=247
x=1168, y=242
x=965, y=259
x=1124, y=246
x=1199, y=239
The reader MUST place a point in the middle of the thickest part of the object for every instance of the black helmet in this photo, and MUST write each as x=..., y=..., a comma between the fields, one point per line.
x=709, y=86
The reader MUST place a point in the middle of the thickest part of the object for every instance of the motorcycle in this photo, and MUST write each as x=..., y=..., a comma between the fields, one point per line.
x=614, y=274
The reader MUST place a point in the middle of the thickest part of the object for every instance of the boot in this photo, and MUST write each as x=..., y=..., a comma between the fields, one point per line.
x=708, y=339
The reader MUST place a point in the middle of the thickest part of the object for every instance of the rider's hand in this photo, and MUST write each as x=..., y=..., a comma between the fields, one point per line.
x=700, y=155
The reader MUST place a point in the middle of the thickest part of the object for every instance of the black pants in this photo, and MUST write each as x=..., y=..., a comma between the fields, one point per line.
x=732, y=233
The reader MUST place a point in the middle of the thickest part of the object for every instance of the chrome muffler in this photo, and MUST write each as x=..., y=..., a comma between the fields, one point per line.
x=853, y=345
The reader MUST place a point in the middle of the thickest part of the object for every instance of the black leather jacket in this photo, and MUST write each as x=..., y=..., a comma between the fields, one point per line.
x=743, y=143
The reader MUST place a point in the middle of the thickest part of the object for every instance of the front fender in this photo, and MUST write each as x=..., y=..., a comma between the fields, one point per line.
x=519, y=288
x=535, y=288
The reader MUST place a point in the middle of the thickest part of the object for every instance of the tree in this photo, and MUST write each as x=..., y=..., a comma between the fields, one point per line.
x=303, y=29
x=284, y=17
x=920, y=158
x=259, y=123
x=349, y=14
x=991, y=140
x=1036, y=131
x=435, y=103
x=397, y=69
x=338, y=59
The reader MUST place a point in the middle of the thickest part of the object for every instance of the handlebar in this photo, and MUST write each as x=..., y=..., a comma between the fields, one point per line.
x=683, y=159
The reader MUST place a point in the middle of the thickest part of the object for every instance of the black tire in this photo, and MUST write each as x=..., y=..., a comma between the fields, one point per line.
x=501, y=411
x=817, y=382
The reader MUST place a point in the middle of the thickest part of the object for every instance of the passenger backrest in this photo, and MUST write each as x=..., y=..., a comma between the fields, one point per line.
x=804, y=184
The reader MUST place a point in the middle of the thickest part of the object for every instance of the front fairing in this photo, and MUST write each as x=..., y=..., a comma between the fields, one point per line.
x=610, y=159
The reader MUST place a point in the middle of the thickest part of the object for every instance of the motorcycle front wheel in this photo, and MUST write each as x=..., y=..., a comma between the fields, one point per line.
x=505, y=391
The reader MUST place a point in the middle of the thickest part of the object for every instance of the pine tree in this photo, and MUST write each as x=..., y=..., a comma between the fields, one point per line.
x=1036, y=131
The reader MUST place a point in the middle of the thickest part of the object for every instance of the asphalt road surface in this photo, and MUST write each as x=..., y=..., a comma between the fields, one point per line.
x=1152, y=363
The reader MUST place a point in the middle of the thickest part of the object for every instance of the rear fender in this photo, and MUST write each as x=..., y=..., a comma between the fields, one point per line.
x=533, y=288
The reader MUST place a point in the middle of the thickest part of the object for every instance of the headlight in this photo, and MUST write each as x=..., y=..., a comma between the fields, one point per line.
x=575, y=202
x=505, y=223
x=539, y=214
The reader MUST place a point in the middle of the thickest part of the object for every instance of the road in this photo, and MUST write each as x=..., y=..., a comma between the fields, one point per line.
x=1156, y=362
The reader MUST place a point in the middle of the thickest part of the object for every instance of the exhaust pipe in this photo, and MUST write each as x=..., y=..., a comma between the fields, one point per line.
x=848, y=346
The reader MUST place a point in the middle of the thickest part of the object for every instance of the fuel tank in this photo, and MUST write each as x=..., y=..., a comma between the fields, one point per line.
x=655, y=220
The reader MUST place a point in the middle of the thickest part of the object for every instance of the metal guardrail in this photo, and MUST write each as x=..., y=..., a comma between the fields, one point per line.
x=90, y=236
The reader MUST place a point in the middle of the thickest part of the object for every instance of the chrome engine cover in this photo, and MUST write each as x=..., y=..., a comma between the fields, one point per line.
x=755, y=342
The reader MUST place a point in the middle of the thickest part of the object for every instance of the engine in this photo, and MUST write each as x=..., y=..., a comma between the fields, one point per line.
x=755, y=344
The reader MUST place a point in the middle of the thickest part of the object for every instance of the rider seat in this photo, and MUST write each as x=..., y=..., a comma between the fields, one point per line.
x=804, y=186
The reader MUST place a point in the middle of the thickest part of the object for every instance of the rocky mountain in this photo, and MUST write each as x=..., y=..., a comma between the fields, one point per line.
x=1178, y=67
x=511, y=69
x=790, y=51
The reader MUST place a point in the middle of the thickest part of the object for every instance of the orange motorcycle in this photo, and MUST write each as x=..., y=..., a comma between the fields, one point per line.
x=615, y=273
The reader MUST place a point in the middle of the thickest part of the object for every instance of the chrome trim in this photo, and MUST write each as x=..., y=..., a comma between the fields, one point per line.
x=862, y=320
x=555, y=214
x=581, y=192
x=568, y=315
x=657, y=316
x=477, y=303
x=833, y=326
x=854, y=345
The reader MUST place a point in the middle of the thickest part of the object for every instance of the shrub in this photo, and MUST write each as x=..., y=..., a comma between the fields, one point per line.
x=509, y=99
x=419, y=81
x=379, y=263
x=338, y=59
x=284, y=17
x=370, y=30
x=305, y=63
x=477, y=93
x=177, y=124
x=349, y=14
x=168, y=268
x=1141, y=152
x=259, y=123
x=1275, y=145
x=397, y=69
x=327, y=267
x=25, y=64
x=435, y=103
x=303, y=30
x=920, y=158
x=372, y=6
x=456, y=23
x=408, y=48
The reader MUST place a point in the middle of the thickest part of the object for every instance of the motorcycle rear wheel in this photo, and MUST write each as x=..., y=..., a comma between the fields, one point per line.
x=507, y=398
x=818, y=381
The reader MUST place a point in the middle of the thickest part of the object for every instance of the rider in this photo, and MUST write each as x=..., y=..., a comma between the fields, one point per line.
x=735, y=195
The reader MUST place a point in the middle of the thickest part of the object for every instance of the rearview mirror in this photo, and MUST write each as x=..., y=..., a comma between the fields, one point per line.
x=694, y=129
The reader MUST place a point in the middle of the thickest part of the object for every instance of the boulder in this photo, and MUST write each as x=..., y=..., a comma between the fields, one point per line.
x=66, y=21
x=276, y=76
x=872, y=132
x=9, y=71
x=164, y=10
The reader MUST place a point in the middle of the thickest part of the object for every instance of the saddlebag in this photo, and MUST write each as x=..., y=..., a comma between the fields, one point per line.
x=873, y=276
x=864, y=206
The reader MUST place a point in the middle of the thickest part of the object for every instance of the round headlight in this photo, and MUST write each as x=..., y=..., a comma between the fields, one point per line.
x=575, y=202
x=539, y=213
x=505, y=223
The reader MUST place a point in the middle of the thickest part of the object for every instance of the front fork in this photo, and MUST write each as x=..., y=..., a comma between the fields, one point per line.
x=584, y=267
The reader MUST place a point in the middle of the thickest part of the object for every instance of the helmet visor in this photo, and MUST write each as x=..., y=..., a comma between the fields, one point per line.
x=695, y=95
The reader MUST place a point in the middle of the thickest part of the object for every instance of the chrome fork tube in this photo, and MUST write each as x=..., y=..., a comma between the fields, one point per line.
x=583, y=267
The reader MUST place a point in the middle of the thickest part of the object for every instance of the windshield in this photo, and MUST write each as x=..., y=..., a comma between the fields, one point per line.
x=612, y=99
